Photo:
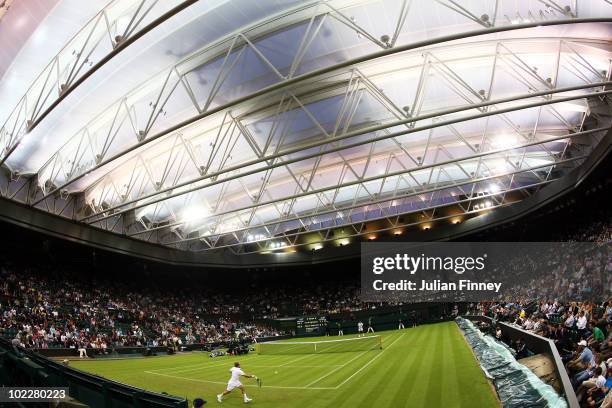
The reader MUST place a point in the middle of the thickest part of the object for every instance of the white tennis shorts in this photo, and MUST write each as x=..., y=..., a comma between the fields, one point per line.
x=233, y=384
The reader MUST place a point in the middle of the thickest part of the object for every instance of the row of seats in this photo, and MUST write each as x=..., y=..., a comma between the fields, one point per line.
x=21, y=367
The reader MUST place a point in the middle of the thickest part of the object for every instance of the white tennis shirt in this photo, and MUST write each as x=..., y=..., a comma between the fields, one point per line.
x=236, y=373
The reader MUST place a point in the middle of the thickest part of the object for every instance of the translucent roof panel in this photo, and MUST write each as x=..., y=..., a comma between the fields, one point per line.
x=235, y=125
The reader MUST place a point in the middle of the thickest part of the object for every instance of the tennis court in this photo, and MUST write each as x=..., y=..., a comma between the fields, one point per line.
x=410, y=369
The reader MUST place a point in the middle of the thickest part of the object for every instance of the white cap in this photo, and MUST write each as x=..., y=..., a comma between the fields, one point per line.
x=582, y=343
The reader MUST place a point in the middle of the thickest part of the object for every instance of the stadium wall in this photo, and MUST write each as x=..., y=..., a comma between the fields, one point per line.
x=536, y=344
x=124, y=352
x=25, y=368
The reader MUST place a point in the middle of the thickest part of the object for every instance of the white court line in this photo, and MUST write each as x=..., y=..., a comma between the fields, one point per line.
x=336, y=369
x=195, y=367
x=350, y=361
x=246, y=385
x=294, y=360
x=369, y=362
x=306, y=387
x=228, y=362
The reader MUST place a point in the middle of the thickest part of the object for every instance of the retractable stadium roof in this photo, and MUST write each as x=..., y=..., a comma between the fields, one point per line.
x=240, y=128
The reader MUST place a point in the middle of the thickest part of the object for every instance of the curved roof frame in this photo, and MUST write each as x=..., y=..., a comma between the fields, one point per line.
x=488, y=108
x=573, y=137
x=112, y=30
x=452, y=172
x=272, y=162
x=99, y=156
x=338, y=209
x=389, y=209
x=166, y=190
x=289, y=242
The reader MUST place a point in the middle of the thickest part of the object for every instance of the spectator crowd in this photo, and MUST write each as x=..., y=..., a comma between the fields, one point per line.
x=581, y=331
x=44, y=311
x=43, y=307
x=571, y=305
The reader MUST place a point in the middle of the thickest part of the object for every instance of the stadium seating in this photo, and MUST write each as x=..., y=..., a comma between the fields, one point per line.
x=26, y=368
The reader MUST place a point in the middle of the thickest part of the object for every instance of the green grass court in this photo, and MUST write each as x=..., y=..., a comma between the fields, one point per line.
x=428, y=366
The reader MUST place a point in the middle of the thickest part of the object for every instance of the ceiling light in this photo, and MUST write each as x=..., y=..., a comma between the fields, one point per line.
x=343, y=242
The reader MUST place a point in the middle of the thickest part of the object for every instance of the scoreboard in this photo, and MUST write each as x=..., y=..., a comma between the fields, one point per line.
x=311, y=325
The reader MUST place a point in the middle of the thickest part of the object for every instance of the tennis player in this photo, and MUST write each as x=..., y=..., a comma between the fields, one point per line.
x=360, y=329
x=234, y=382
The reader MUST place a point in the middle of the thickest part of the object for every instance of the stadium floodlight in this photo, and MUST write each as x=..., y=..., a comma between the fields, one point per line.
x=344, y=241
x=276, y=245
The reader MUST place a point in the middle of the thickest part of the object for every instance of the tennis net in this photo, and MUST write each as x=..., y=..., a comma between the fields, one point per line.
x=323, y=346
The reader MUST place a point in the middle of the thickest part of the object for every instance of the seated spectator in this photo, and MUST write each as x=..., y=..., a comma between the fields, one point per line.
x=596, y=382
x=583, y=359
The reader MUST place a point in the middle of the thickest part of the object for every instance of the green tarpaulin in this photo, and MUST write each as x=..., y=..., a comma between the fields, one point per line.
x=516, y=385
